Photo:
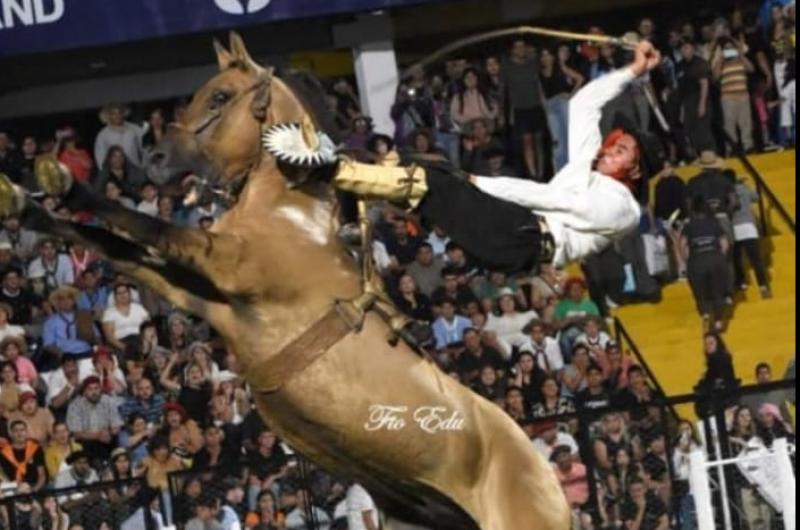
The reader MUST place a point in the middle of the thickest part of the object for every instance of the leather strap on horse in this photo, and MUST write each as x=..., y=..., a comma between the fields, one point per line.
x=307, y=348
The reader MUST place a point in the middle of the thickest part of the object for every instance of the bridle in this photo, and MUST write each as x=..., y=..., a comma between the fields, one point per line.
x=229, y=192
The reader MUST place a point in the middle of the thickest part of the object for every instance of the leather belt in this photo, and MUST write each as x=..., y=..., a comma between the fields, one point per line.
x=547, y=243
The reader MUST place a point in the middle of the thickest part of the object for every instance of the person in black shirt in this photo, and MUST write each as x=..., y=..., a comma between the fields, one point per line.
x=24, y=304
x=643, y=510
x=719, y=365
x=704, y=246
x=475, y=356
x=195, y=394
x=268, y=460
x=595, y=396
x=22, y=459
x=459, y=295
x=411, y=301
x=694, y=86
x=216, y=452
x=10, y=160
x=400, y=245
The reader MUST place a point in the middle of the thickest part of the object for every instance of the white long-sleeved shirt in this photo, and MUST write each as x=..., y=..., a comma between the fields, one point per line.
x=584, y=209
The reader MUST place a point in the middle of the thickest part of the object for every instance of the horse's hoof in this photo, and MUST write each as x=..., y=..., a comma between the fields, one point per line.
x=53, y=177
x=12, y=197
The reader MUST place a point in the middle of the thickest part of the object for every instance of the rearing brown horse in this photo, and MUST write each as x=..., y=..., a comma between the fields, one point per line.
x=267, y=276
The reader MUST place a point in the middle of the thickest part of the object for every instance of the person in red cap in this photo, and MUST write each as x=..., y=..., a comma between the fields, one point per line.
x=94, y=419
x=185, y=437
x=38, y=419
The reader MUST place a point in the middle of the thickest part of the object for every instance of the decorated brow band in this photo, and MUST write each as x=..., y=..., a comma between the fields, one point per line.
x=286, y=143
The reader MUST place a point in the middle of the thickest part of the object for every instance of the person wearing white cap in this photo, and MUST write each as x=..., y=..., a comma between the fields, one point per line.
x=509, y=325
x=118, y=131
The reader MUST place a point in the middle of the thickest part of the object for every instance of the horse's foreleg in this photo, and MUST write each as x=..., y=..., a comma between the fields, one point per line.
x=212, y=255
x=131, y=259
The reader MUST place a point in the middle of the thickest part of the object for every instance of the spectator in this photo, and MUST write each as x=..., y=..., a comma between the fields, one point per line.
x=746, y=238
x=777, y=397
x=159, y=463
x=23, y=241
x=10, y=387
x=8, y=259
x=207, y=513
x=413, y=109
x=615, y=367
x=743, y=436
x=642, y=510
x=148, y=203
x=231, y=511
x=490, y=386
x=123, y=318
x=38, y=420
x=475, y=356
x=694, y=76
x=510, y=323
x=452, y=291
x=704, y=245
x=550, y=438
x=426, y=269
x=67, y=330
x=449, y=328
x=529, y=378
x=215, y=452
x=552, y=403
x=544, y=349
x=14, y=350
x=772, y=426
x=438, y=241
x=146, y=402
x=594, y=338
x=194, y=394
x=51, y=269
x=135, y=436
x=571, y=311
x=93, y=295
x=79, y=473
x=22, y=459
x=61, y=446
x=400, y=245
x=156, y=129
x=471, y=101
x=575, y=375
x=70, y=153
x=489, y=290
x=362, y=514
x=476, y=142
x=731, y=67
x=185, y=437
x=119, y=169
x=118, y=132
x=595, y=396
x=559, y=84
x=411, y=301
x=636, y=395
x=381, y=146
x=572, y=476
x=296, y=519
x=119, y=471
x=64, y=384
x=266, y=516
x=112, y=380
x=518, y=410
x=94, y=420
x=524, y=105
x=613, y=438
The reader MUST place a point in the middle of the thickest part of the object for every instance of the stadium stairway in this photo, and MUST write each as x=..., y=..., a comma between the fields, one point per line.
x=669, y=334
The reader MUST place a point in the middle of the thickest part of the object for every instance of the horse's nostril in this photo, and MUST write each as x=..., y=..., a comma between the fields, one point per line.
x=158, y=158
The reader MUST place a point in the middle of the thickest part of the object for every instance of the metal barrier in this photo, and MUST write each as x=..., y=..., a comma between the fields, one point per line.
x=118, y=505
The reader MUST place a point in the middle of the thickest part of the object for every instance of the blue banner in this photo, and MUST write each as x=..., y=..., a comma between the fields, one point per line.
x=30, y=26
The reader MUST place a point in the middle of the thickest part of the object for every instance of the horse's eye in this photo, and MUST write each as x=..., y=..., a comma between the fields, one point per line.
x=220, y=98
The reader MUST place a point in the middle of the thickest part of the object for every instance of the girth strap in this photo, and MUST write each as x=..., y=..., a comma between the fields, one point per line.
x=305, y=349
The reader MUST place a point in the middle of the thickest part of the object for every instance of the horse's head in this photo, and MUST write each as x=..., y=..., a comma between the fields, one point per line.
x=219, y=137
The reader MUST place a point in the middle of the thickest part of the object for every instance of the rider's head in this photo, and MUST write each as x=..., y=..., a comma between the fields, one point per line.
x=620, y=157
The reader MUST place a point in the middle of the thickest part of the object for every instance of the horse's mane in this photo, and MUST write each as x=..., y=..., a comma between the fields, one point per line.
x=312, y=94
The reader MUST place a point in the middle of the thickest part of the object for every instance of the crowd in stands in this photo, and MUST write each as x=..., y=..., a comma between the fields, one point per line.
x=102, y=380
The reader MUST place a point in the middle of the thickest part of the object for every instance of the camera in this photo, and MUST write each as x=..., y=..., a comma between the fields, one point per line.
x=412, y=93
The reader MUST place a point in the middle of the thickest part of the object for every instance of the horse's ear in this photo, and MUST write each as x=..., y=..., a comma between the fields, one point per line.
x=240, y=54
x=224, y=57
x=261, y=97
